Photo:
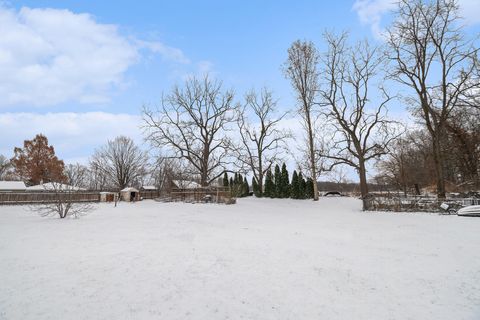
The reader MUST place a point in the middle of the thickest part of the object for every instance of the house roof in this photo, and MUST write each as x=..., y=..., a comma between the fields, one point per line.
x=12, y=185
x=149, y=188
x=50, y=186
x=186, y=184
x=129, y=189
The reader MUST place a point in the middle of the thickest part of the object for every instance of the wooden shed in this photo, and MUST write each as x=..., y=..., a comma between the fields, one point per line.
x=107, y=196
x=130, y=194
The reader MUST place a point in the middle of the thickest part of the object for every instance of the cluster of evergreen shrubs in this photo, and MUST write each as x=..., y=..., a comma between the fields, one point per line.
x=276, y=185
x=238, y=185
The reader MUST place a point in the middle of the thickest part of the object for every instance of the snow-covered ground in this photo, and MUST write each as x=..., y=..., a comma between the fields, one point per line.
x=258, y=259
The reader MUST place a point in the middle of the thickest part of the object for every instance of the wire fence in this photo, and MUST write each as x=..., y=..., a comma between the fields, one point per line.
x=416, y=203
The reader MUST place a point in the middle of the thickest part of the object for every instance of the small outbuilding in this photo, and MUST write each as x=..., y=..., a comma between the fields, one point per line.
x=130, y=194
x=107, y=196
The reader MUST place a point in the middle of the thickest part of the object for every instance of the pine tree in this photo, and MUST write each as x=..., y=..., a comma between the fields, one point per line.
x=225, y=180
x=269, y=185
x=294, y=186
x=246, y=187
x=309, y=189
x=278, y=182
x=285, y=182
x=302, y=186
x=256, y=188
x=232, y=187
x=235, y=179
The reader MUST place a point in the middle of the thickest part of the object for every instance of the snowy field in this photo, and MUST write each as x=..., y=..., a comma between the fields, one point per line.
x=259, y=259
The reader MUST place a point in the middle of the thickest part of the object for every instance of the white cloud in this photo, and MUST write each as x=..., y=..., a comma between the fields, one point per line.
x=74, y=135
x=371, y=12
x=470, y=10
x=168, y=53
x=51, y=56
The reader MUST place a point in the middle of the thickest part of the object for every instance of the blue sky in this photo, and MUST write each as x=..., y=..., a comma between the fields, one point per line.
x=80, y=71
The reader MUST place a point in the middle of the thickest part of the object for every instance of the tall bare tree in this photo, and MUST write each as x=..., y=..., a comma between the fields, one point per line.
x=301, y=69
x=121, y=161
x=409, y=164
x=262, y=141
x=362, y=130
x=431, y=56
x=192, y=123
x=78, y=174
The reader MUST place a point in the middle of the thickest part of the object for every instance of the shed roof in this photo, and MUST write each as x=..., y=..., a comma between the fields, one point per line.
x=129, y=189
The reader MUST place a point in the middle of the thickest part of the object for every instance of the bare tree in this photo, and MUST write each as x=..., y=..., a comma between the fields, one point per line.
x=77, y=173
x=164, y=171
x=121, y=161
x=407, y=154
x=97, y=179
x=301, y=69
x=463, y=146
x=5, y=167
x=431, y=56
x=65, y=203
x=192, y=124
x=362, y=130
x=262, y=141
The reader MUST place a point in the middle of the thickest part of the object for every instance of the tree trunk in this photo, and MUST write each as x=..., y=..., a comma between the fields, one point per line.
x=438, y=161
x=260, y=182
x=312, y=158
x=363, y=184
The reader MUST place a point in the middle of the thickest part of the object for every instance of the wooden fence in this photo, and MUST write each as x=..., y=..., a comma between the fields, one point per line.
x=215, y=195
x=47, y=197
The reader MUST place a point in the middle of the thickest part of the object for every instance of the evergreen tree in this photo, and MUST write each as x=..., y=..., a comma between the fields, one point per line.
x=235, y=179
x=269, y=185
x=285, y=182
x=309, y=189
x=225, y=180
x=278, y=182
x=256, y=188
x=302, y=186
x=246, y=187
x=294, y=186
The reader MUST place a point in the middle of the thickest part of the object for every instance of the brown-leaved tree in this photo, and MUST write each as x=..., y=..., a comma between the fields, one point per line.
x=36, y=162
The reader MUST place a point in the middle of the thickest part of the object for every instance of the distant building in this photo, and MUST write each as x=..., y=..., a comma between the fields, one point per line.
x=12, y=186
x=54, y=186
x=149, y=188
x=185, y=184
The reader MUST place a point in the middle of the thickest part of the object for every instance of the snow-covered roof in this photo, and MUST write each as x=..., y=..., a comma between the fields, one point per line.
x=149, y=188
x=12, y=185
x=50, y=186
x=186, y=184
x=129, y=189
